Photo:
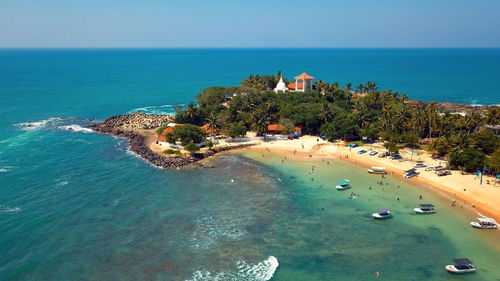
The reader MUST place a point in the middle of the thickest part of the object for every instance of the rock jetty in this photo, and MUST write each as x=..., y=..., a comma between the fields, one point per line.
x=137, y=120
x=126, y=126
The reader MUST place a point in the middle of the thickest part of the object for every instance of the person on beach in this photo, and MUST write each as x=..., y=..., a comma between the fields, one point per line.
x=398, y=198
x=420, y=197
x=454, y=202
x=302, y=145
x=370, y=188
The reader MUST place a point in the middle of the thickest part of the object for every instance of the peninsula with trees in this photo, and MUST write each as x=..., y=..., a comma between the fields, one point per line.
x=270, y=107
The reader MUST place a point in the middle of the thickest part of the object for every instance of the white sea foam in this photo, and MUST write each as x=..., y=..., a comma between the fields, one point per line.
x=62, y=183
x=9, y=210
x=246, y=271
x=35, y=125
x=166, y=109
x=75, y=128
x=210, y=229
x=72, y=124
x=3, y=170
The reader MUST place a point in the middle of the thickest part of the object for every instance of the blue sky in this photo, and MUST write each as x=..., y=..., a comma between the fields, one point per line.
x=255, y=23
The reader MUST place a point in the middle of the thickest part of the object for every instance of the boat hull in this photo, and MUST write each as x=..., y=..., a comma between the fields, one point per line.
x=453, y=269
x=381, y=217
x=341, y=187
x=370, y=171
x=478, y=225
x=420, y=211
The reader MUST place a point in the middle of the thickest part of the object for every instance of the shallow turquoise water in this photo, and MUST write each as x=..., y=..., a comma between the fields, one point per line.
x=76, y=205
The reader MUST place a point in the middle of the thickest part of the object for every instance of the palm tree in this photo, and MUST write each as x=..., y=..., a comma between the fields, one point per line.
x=260, y=121
x=213, y=121
x=492, y=116
x=326, y=113
x=348, y=86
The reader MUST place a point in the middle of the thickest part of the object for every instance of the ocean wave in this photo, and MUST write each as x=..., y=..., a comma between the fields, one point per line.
x=62, y=183
x=166, y=109
x=9, y=210
x=210, y=229
x=72, y=124
x=3, y=170
x=246, y=271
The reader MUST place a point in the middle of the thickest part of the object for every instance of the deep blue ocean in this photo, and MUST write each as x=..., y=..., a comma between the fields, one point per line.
x=76, y=205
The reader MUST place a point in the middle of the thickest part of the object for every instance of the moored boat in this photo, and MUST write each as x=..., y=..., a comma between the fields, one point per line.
x=383, y=213
x=425, y=209
x=377, y=170
x=484, y=223
x=345, y=184
x=411, y=173
x=461, y=266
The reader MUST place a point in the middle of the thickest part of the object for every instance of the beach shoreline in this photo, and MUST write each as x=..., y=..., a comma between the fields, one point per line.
x=482, y=199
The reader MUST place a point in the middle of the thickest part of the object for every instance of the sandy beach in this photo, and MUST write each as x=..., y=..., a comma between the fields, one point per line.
x=465, y=189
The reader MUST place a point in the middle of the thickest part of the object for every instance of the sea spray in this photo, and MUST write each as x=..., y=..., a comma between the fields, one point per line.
x=261, y=271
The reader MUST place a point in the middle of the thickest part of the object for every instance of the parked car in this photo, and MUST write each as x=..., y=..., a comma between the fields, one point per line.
x=398, y=156
x=362, y=151
x=373, y=153
x=352, y=145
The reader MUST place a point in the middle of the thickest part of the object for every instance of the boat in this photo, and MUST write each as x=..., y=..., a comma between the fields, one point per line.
x=425, y=209
x=419, y=164
x=377, y=170
x=343, y=185
x=461, y=266
x=383, y=213
x=443, y=173
x=395, y=157
x=411, y=173
x=484, y=223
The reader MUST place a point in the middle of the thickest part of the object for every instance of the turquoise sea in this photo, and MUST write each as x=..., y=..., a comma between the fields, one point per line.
x=76, y=205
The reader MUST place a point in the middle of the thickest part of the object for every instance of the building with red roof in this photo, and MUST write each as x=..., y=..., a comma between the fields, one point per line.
x=302, y=83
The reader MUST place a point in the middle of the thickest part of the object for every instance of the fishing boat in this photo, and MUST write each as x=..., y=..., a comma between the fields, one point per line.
x=377, y=170
x=461, y=266
x=411, y=173
x=425, y=209
x=419, y=164
x=383, y=213
x=343, y=185
x=484, y=223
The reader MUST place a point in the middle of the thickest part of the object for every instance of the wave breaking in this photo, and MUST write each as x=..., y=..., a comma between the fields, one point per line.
x=261, y=271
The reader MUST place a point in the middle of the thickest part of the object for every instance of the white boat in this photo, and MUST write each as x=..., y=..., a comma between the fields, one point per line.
x=411, y=173
x=461, y=266
x=484, y=223
x=383, y=213
x=343, y=185
x=377, y=170
x=425, y=209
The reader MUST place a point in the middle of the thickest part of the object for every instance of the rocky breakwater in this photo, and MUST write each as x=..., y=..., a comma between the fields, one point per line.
x=128, y=126
x=137, y=120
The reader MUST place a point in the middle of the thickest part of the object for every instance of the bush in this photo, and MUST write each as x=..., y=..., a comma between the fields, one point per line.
x=469, y=160
x=172, y=151
x=234, y=130
x=391, y=146
x=191, y=147
x=486, y=141
x=187, y=134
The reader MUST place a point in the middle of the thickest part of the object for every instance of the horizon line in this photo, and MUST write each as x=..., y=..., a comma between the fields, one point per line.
x=246, y=48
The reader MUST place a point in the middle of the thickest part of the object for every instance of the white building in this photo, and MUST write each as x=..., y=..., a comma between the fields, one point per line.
x=281, y=86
